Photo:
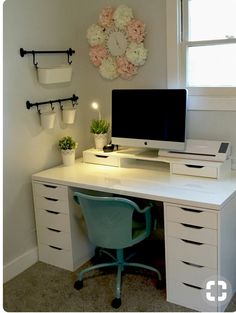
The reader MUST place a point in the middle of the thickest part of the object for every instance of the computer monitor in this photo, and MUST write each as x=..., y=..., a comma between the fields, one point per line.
x=151, y=118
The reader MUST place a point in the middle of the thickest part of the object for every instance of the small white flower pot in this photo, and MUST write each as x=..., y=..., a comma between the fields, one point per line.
x=48, y=119
x=68, y=157
x=100, y=140
x=68, y=115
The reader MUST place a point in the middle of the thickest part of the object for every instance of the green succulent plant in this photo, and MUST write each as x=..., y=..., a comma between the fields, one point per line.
x=67, y=143
x=99, y=126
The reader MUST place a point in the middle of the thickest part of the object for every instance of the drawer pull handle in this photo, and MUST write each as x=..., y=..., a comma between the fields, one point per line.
x=192, y=264
x=55, y=247
x=192, y=226
x=50, y=199
x=194, y=166
x=192, y=210
x=52, y=229
x=53, y=212
x=192, y=242
x=192, y=286
x=49, y=186
x=101, y=156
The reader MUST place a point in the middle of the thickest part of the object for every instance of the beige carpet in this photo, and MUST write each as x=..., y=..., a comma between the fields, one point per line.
x=46, y=288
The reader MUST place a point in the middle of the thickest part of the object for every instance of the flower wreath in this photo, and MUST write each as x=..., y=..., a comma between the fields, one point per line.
x=116, y=43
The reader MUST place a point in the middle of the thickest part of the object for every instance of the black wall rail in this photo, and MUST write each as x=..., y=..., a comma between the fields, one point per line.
x=73, y=99
x=69, y=53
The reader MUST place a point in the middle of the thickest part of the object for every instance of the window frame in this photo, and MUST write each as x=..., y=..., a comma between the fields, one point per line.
x=200, y=98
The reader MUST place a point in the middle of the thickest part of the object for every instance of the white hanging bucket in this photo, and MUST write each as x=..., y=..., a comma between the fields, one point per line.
x=68, y=115
x=48, y=119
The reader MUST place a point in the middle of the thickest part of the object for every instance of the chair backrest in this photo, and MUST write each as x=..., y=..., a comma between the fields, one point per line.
x=108, y=220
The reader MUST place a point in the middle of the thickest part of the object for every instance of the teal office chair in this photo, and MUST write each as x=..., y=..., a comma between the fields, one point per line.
x=111, y=225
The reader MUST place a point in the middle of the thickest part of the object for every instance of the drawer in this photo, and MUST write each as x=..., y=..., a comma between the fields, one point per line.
x=189, y=272
x=192, y=232
x=101, y=158
x=52, y=204
x=194, y=170
x=191, y=216
x=192, y=252
x=54, y=237
x=56, y=256
x=53, y=220
x=50, y=190
x=189, y=296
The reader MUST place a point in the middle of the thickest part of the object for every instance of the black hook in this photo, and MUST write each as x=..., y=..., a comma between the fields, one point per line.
x=35, y=63
x=61, y=105
x=52, y=107
x=38, y=109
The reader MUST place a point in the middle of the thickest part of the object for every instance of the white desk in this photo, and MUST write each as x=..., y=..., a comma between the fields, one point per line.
x=203, y=248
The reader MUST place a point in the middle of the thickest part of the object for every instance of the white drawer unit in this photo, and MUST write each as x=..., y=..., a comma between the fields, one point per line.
x=191, y=243
x=62, y=240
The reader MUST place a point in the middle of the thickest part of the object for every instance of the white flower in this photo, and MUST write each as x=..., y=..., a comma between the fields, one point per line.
x=122, y=16
x=136, y=53
x=95, y=35
x=108, y=69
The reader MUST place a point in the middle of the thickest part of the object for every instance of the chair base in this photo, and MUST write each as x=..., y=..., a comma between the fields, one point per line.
x=120, y=264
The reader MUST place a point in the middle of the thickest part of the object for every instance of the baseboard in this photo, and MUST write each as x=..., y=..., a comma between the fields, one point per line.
x=20, y=264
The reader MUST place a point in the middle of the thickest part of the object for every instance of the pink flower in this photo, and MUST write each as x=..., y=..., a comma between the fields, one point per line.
x=125, y=68
x=136, y=31
x=106, y=17
x=97, y=54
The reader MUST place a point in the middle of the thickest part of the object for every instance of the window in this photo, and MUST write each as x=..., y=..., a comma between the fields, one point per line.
x=208, y=43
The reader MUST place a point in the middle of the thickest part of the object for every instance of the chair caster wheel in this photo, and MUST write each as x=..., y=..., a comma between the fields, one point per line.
x=78, y=284
x=116, y=303
x=160, y=284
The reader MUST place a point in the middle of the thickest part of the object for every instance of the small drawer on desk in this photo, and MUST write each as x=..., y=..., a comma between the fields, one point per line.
x=194, y=170
x=56, y=256
x=51, y=204
x=54, y=237
x=192, y=232
x=191, y=216
x=50, y=190
x=101, y=158
x=192, y=252
x=53, y=220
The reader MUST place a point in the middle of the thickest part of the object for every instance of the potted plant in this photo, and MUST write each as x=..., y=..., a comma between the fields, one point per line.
x=100, y=130
x=67, y=145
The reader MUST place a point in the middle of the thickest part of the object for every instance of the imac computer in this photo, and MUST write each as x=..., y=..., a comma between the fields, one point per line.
x=149, y=118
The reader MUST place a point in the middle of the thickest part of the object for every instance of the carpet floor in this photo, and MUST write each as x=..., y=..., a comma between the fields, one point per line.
x=46, y=288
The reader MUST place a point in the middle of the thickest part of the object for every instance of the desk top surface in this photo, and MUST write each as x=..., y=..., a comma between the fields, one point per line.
x=149, y=183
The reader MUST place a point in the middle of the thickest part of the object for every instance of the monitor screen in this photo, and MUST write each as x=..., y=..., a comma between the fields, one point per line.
x=152, y=118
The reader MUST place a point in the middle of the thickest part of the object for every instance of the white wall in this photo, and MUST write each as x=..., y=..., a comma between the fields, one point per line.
x=57, y=25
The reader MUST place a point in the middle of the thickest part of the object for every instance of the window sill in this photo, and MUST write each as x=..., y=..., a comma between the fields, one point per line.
x=205, y=103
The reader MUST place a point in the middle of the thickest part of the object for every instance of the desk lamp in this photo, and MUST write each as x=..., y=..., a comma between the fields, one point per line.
x=95, y=106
